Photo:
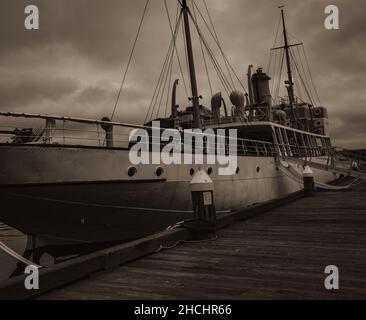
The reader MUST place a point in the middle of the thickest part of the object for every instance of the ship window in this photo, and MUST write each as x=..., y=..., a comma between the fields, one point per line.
x=131, y=171
x=237, y=170
x=258, y=169
x=159, y=171
x=209, y=171
x=191, y=172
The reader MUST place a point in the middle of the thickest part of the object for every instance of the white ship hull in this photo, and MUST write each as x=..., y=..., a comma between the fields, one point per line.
x=84, y=195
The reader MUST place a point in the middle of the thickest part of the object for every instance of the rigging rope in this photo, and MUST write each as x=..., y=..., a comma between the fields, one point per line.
x=217, y=39
x=130, y=58
x=311, y=76
x=171, y=62
x=167, y=75
x=165, y=82
x=278, y=67
x=274, y=73
x=151, y=108
x=282, y=59
x=175, y=44
x=313, y=87
x=214, y=62
x=204, y=57
x=274, y=77
x=299, y=89
x=303, y=70
x=162, y=80
x=218, y=44
x=162, y=73
x=274, y=43
x=222, y=77
x=306, y=90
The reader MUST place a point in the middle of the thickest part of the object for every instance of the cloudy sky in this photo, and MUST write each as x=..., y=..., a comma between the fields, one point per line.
x=74, y=64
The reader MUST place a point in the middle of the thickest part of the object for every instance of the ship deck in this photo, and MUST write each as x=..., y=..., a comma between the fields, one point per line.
x=279, y=254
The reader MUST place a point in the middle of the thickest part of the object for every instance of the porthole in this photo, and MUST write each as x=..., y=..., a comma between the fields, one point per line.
x=191, y=172
x=159, y=171
x=131, y=171
x=209, y=171
x=237, y=170
x=258, y=169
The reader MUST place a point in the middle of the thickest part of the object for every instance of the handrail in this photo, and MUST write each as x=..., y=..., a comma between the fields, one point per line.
x=244, y=146
x=71, y=119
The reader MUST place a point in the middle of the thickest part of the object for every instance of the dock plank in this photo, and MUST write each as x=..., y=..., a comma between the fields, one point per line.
x=277, y=255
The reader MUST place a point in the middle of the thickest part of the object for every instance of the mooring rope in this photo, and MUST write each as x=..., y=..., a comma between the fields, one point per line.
x=17, y=256
x=161, y=247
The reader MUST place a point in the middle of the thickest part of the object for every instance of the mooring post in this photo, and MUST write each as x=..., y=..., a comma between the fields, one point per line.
x=204, y=221
x=309, y=183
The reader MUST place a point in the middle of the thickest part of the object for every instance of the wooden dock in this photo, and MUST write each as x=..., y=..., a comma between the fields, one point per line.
x=280, y=254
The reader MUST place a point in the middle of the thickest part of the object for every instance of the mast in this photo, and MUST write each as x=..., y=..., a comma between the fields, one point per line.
x=192, y=71
x=288, y=63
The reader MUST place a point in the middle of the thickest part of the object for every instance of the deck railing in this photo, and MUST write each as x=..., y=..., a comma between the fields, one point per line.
x=55, y=130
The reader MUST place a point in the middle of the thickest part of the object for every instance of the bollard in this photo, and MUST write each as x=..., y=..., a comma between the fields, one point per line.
x=203, y=225
x=309, y=184
x=108, y=128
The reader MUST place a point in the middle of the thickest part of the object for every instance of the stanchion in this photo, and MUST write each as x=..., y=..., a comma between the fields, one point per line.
x=203, y=225
x=108, y=128
x=309, y=184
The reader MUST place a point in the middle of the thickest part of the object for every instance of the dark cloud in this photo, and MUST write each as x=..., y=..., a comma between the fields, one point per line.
x=25, y=92
x=74, y=64
x=96, y=93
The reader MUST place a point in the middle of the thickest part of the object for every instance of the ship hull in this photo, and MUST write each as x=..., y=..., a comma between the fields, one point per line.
x=92, y=212
x=84, y=195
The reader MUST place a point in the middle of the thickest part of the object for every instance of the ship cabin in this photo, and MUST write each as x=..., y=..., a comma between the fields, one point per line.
x=294, y=129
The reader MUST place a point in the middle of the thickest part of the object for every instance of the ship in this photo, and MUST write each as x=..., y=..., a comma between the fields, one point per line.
x=69, y=180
